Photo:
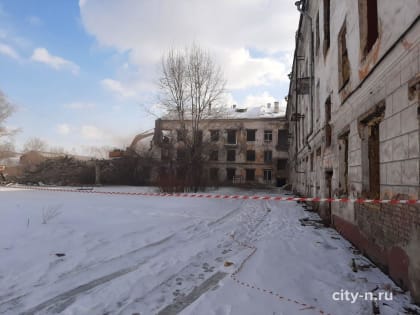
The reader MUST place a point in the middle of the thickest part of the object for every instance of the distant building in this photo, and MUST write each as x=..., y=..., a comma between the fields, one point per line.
x=248, y=146
x=353, y=111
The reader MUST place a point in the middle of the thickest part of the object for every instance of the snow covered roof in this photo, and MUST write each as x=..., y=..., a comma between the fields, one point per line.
x=255, y=112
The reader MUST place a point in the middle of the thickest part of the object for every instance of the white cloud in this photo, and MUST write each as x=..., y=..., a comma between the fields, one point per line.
x=118, y=88
x=91, y=132
x=63, y=129
x=247, y=37
x=9, y=51
x=42, y=55
x=258, y=100
x=245, y=71
x=80, y=105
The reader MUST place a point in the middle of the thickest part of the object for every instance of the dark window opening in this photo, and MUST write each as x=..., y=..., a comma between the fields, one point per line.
x=230, y=173
x=231, y=155
x=368, y=21
x=214, y=155
x=326, y=26
x=250, y=134
x=249, y=174
x=343, y=58
x=374, y=171
x=214, y=135
x=250, y=155
x=312, y=162
x=328, y=109
x=268, y=156
x=282, y=139
x=281, y=164
x=328, y=129
x=343, y=148
x=328, y=135
x=267, y=175
x=268, y=135
x=317, y=33
x=372, y=19
x=231, y=136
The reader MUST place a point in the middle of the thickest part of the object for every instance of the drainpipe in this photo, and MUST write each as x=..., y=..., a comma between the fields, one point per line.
x=298, y=5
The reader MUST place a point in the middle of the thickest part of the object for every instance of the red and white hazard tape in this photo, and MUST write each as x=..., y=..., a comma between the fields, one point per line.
x=239, y=197
x=266, y=291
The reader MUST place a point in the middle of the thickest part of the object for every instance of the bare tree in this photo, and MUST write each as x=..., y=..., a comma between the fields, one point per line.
x=35, y=144
x=191, y=89
x=6, y=110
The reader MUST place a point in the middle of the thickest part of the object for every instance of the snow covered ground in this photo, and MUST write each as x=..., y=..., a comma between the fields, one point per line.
x=166, y=255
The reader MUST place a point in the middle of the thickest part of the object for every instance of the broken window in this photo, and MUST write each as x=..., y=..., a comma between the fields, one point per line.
x=250, y=155
x=369, y=133
x=267, y=175
x=268, y=156
x=214, y=155
x=231, y=155
x=326, y=26
x=250, y=174
x=281, y=164
x=214, y=135
x=250, y=134
x=368, y=23
x=230, y=173
x=343, y=58
x=343, y=148
x=268, y=135
x=231, y=136
x=282, y=139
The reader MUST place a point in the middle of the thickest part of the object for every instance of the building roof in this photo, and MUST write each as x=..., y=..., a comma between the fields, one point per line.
x=235, y=112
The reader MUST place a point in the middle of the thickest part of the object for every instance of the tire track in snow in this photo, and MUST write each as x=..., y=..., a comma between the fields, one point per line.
x=196, y=287
x=63, y=300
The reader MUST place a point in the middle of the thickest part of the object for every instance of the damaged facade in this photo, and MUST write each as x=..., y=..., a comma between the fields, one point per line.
x=353, y=111
x=245, y=147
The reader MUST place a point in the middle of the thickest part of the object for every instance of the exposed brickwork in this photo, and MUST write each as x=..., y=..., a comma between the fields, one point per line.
x=388, y=225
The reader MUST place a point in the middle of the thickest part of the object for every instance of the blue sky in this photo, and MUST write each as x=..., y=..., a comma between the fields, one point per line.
x=82, y=72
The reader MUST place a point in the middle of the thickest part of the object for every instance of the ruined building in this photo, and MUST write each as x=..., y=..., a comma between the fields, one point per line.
x=353, y=112
x=247, y=146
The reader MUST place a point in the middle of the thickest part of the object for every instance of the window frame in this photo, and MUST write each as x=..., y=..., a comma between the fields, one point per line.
x=230, y=132
x=249, y=171
x=250, y=132
x=268, y=134
x=228, y=156
x=252, y=154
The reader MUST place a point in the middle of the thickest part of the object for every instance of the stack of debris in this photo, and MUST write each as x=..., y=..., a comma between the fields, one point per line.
x=59, y=171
